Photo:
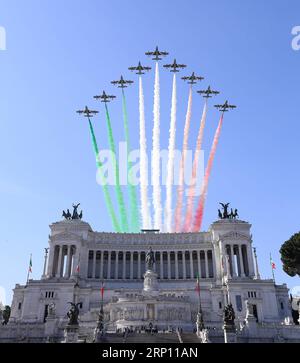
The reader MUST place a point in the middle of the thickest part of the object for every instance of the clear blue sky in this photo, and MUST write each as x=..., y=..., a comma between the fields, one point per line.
x=61, y=53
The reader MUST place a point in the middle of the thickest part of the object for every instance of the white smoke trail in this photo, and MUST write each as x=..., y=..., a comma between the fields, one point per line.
x=180, y=189
x=170, y=166
x=157, y=223
x=143, y=160
x=192, y=188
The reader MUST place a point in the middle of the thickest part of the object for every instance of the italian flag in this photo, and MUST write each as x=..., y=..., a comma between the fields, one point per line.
x=102, y=290
x=273, y=266
x=30, y=265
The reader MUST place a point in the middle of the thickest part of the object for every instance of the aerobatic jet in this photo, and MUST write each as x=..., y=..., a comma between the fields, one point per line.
x=192, y=79
x=225, y=107
x=140, y=69
x=104, y=97
x=157, y=53
x=208, y=92
x=87, y=113
x=174, y=66
x=121, y=83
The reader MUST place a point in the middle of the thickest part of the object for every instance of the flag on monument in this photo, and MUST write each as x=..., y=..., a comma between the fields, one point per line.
x=30, y=265
x=273, y=266
x=102, y=290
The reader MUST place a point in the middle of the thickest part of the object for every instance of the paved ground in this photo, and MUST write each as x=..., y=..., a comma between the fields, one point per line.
x=164, y=338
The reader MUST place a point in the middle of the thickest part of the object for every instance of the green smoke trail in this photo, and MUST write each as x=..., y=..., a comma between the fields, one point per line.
x=108, y=200
x=124, y=222
x=134, y=213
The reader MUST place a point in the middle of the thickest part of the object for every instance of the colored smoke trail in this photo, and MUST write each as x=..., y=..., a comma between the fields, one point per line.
x=119, y=193
x=180, y=189
x=108, y=200
x=200, y=209
x=171, y=155
x=157, y=207
x=143, y=161
x=192, y=187
x=134, y=213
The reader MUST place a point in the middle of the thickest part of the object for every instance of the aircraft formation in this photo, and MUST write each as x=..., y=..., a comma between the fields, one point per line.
x=162, y=218
x=174, y=67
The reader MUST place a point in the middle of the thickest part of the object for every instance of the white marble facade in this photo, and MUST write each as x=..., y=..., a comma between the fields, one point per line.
x=80, y=259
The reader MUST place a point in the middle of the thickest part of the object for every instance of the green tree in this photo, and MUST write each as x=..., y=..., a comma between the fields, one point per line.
x=290, y=255
x=6, y=315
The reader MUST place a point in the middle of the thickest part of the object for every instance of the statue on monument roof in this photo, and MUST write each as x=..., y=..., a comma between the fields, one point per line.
x=233, y=214
x=75, y=215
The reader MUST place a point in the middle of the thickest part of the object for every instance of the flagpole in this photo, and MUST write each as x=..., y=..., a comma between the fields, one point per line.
x=29, y=269
x=272, y=268
x=200, y=323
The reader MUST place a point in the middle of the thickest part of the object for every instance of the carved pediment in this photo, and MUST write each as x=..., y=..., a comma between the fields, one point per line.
x=236, y=236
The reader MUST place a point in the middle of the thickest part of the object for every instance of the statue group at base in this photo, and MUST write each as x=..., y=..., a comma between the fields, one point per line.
x=99, y=332
x=72, y=328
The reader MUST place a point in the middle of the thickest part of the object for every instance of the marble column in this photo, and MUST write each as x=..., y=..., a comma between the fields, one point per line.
x=117, y=266
x=176, y=265
x=66, y=275
x=102, y=265
x=169, y=265
x=124, y=265
x=206, y=264
x=241, y=261
x=250, y=260
x=75, y=261
x=233, y=261
x=192, y=265
x=139, y=265
x=199, y=264
x=183, y=265
x=52, y=262
x=131, y=265
x=94, y=264
x=161, y=266
x=109, y=265
x=58, y=271
x=72, y=260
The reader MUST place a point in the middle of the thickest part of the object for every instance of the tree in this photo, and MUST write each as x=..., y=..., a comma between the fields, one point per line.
x=290, y=255
x=6, y=315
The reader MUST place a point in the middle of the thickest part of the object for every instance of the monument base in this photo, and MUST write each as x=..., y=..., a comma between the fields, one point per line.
x=230, y=333
x=150, y=282
x=71, y=334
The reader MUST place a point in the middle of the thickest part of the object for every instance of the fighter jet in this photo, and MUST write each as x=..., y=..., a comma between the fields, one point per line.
x=225, y=107
x=121, y=83
x=157, y=53
x=192, y=79
x=175, y=66
x=208, y=92
x=139, y=69
x=87, y=113
x=104, y=97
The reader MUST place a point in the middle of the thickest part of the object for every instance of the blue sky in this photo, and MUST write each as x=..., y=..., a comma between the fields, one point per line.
x=61, y=53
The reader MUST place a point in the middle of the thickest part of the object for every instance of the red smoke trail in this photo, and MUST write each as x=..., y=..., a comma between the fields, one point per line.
x=191, y=193
x=180, y=189
x=199, y=212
